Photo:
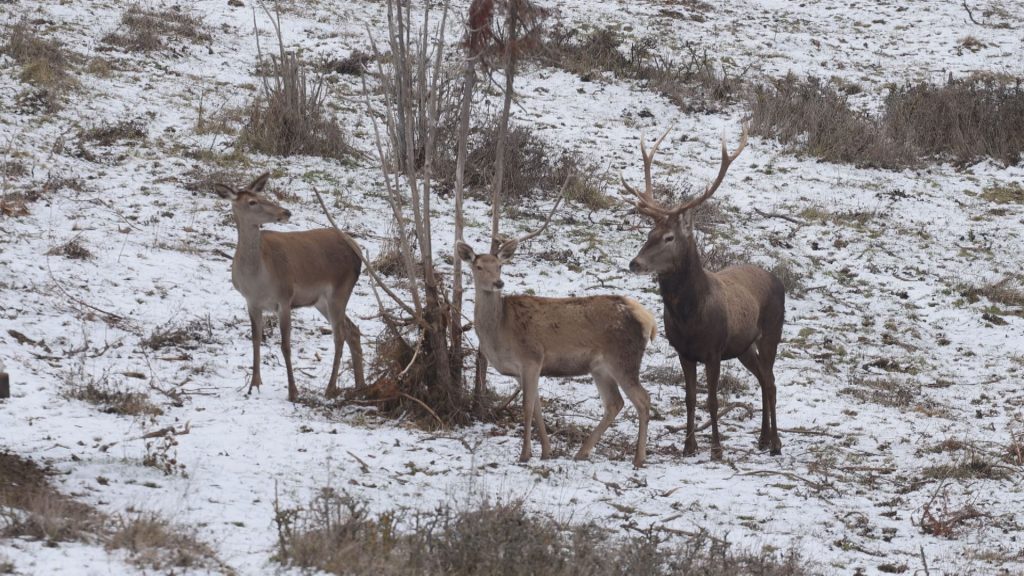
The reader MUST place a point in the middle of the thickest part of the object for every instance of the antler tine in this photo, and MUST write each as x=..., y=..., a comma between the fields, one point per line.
x=727, y=160
x=646, y=204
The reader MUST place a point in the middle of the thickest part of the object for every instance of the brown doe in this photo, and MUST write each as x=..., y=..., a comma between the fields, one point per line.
x=528, y=337
x=279, y=271
x=737, y=312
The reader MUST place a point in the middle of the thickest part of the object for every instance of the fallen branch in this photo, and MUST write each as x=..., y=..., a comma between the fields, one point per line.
x=425, y=407
x=160, y=433
x=815, y=485
x=785, y=217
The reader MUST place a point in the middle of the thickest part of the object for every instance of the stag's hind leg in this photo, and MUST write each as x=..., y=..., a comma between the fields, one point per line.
x=690, y=376
x=613, y=404
x=767, y=350
x=751, y=360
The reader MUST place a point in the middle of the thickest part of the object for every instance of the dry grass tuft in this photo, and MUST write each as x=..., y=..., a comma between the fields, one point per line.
x=108, y=134
x=147, y=30
x=1007, y=292
x=695, y=83
x=109, y=397
x=335, y=533
x=45, y=66
x=154, y=542
x=73, y=249
x=884, y=390
x=188, y=336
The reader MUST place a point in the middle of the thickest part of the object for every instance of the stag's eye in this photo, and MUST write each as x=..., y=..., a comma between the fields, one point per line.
x=252, y=202
x=669, y=239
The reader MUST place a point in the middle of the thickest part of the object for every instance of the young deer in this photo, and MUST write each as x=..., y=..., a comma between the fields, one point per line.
x=711, y=316
x=278, y=271
x=528, y=337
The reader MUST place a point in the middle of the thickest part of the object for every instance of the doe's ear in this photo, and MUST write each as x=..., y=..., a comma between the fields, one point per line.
x=225, y=191
x=507, y=249
x=465, y=252
x=259, y=183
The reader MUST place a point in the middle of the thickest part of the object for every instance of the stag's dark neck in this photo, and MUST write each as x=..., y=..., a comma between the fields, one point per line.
x=686, y=286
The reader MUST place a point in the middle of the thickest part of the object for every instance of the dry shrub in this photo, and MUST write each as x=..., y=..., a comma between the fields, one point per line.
x=15, y=202
x=154, y=542
x=1007, y=292
x=335, y=533
x=110, y=133
x=73, y=249
x=186, y=336
x=816, y=117
x=109, y=397
x=885, y=390
x=1012, y=193
x=46, y=67
x=791, y=278
x=144, y=30
x=289, y=116
x=972, y=465
x=695, y=82
x=355, y=64
x=963, y=120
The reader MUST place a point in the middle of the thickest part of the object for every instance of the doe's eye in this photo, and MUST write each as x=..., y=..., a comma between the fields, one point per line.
x=669, y=239
x=252, y=202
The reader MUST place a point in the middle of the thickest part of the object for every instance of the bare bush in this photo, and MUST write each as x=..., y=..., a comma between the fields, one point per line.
x=108, y=134
x=288, y=115
x=963, y=120
x=73, y=249
x=187, y=336
x=108, y=396
x=1007, y=291
x=147, y=30
x=815, y=117
x=336, y=533
x=154, y=542
x=695, y=82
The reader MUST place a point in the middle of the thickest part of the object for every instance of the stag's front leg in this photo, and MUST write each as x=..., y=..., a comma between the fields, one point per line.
x=256, y=324
x=713, y=369
x=690, y=376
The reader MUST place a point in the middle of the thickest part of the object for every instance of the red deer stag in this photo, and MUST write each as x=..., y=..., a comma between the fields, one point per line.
x=528, y=337
x=711, y=316
x=279, y=271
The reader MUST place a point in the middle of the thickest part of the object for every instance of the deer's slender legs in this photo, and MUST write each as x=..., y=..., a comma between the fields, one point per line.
x=752, y=361
x=352, y=336
x=530, y=382
x=284, y=319
x=256, y=324
x=613, y=403
x=545, y=444
x=713, y=369
x=629, y=380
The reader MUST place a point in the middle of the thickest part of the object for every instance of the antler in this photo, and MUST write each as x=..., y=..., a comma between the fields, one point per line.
x=646, y=204
x=561, y=196
x=710, y=190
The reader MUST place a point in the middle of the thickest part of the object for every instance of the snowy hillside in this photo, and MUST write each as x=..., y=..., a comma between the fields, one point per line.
x=899, y=378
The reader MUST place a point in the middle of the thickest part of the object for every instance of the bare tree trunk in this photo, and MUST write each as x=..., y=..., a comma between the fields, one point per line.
x=468, y=85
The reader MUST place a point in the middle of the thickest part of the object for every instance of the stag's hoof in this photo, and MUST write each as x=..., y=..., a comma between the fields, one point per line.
x=776, y=447
x=762, y=442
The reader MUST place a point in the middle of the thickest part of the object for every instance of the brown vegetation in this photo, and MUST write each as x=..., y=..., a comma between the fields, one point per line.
x=337, y=534
x=148, y=30
x=45, y=66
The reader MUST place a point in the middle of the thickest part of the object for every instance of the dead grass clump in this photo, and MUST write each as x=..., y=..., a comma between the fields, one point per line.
x=816, y=117
x=289, y=115
x=188, y=336
x=145, y=30
x=355, y=64
x=963, y=120
x=335, y=533
x=112, y=133
x=972, y=466
x=696, y=83
x=791, y=278
x=1007, y=292
x=46, y=66
x=31, y=508
x=73, y=249
x=886, y=391
x=111, y=398
x=154, y=542
x=1012, y=193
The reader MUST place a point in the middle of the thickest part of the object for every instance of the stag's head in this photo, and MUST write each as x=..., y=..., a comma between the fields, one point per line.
x=672, y=234
x=486, y=268
x=249, y=204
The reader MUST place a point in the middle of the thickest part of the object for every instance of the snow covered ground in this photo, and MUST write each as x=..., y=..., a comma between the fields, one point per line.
x=885, y=366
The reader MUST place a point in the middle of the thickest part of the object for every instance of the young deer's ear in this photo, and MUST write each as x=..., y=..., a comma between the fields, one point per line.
x=259, y=183
x=465, y=252
x=225, y=191
x=506, y=250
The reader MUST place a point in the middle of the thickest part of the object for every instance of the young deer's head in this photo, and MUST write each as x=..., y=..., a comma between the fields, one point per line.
x=672, y=235
x=486, y=268
x=250, y=206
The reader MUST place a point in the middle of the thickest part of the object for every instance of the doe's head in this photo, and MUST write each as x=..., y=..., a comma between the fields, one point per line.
x=250, y=206
x=486, y=268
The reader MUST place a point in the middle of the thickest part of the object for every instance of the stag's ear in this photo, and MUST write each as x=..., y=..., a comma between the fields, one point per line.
x=225, y=192
x=465, y=252
x=259, y=183
x=507, y=250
